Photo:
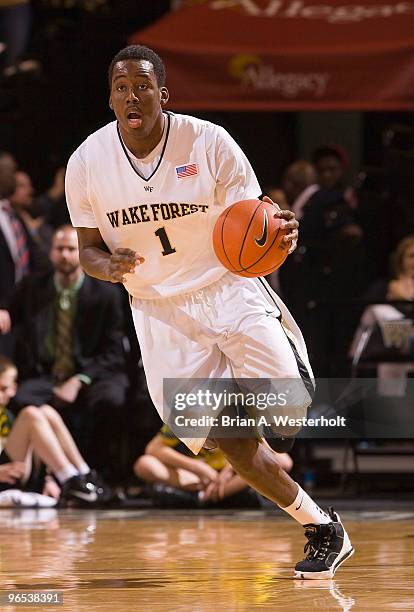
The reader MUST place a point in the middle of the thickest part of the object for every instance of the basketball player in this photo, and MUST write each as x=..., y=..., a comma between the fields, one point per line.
x=144, y=193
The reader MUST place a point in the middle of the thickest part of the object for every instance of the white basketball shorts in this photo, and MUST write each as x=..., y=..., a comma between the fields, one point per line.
x=230, y=329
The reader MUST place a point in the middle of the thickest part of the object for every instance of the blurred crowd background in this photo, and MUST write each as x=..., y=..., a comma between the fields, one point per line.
x=349, y=177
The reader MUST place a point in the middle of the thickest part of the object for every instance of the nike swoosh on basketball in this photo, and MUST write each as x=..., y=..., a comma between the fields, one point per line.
x=299, y=504
x=90, y=497
x=262, y=241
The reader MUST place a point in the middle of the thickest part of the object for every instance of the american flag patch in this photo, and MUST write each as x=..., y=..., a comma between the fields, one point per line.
x=187, y=170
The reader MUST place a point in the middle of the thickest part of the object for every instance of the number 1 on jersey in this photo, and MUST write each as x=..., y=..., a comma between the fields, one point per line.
x=165, y=243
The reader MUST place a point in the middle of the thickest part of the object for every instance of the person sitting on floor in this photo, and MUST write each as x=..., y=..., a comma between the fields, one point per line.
x=42, y=433
x=181, y=476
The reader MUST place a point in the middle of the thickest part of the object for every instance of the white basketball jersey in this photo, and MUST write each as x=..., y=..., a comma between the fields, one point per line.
x=169, y=217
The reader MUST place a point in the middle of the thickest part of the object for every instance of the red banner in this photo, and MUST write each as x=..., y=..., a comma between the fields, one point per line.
x=287, y=54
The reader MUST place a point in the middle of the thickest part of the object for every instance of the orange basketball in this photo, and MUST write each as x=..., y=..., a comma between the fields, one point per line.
x=247, y=238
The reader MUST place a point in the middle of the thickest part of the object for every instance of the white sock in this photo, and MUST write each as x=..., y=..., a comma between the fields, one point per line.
x=305, y=511
x=84, y=469
x=66, y=472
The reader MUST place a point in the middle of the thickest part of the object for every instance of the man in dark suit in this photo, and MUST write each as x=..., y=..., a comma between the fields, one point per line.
x=70, y=344
x=19, y=255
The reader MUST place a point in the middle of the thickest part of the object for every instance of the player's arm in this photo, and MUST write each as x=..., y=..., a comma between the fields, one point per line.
x=98, y=262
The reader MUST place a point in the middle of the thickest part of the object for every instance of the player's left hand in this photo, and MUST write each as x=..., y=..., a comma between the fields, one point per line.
x=290, y=223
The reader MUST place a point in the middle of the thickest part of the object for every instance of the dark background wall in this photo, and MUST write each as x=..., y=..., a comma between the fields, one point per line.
x=42, y=119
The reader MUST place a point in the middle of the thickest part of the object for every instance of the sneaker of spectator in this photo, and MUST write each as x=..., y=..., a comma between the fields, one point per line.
x=16, y=498
x=164, y=496
x=81, y=489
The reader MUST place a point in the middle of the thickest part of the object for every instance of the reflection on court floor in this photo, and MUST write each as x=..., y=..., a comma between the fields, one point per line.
x=134, y=560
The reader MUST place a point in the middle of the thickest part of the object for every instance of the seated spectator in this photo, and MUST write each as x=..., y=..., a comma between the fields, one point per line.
x=331, y=163
x=22, y=201
x=400, y=287
x=40, y=432
x=51, y=205
x=327, y=226
x=384, y=336
x=69, y=347
x=327, y=268
x=206, y=477
x=19, y=255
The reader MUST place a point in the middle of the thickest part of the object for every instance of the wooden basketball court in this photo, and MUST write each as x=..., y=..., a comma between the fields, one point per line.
x=153, y=560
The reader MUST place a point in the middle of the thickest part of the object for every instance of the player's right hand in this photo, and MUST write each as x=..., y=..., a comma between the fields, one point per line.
x=121, y=262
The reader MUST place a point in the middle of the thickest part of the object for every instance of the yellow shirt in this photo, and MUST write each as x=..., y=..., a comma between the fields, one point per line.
x=214, y=458
x=6, y=421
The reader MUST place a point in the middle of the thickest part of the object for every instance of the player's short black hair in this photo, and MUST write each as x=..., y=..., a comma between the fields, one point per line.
x=139, y=52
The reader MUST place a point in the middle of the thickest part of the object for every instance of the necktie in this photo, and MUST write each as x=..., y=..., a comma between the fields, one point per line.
x=22, y=250
x=64, y=365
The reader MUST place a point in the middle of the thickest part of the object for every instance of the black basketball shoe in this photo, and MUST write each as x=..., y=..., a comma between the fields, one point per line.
x=80, y=489
x=105, y=493
x=328, y=546
x=164, y=496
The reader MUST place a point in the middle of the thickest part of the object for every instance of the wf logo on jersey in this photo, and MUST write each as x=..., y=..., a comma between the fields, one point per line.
x=153, y=212
x=187, y=170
